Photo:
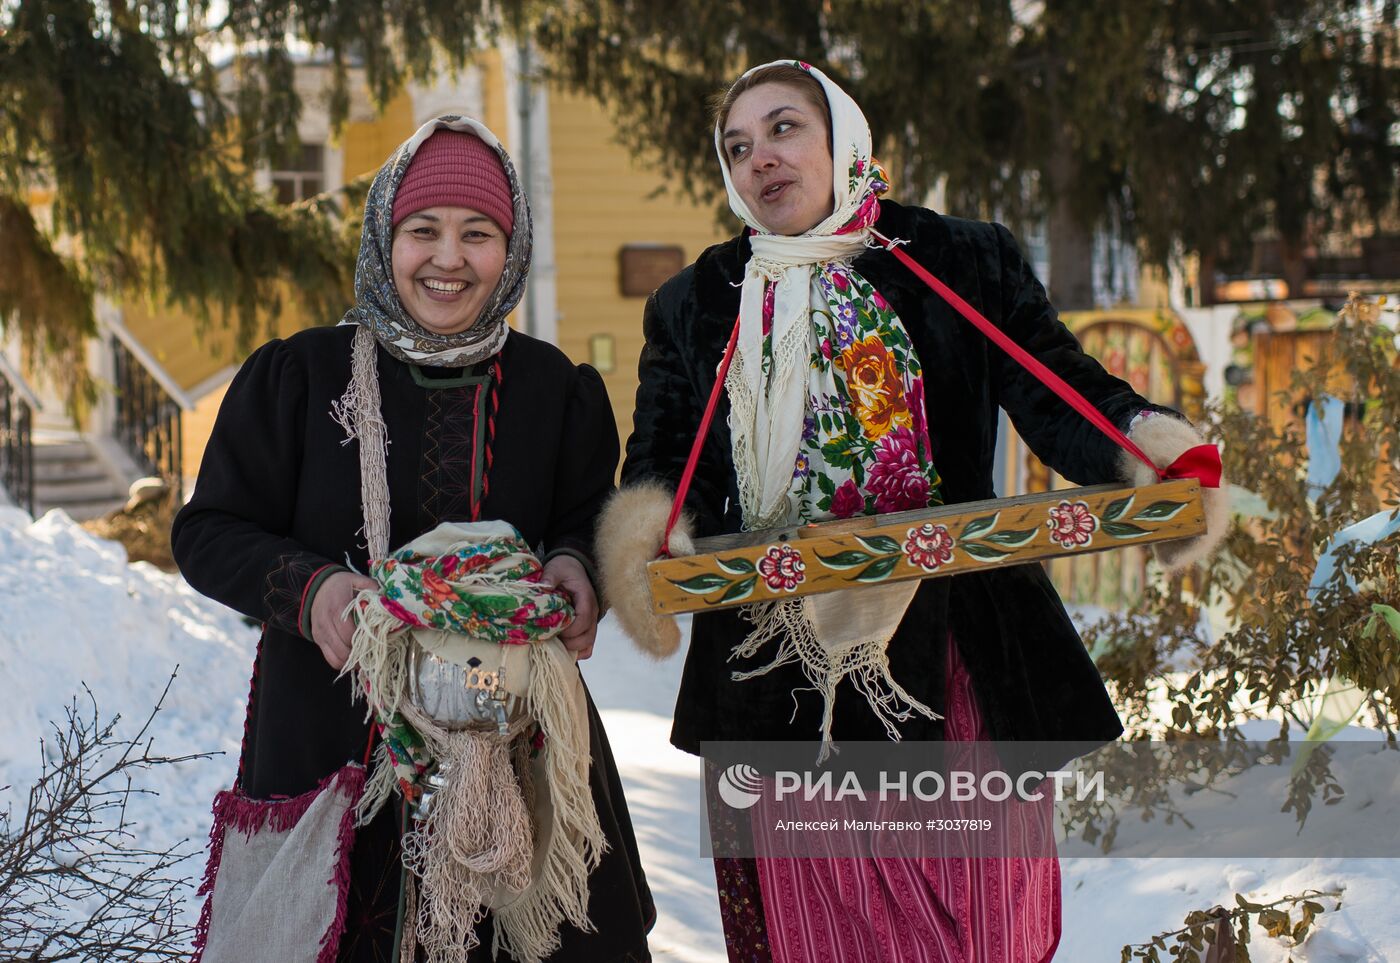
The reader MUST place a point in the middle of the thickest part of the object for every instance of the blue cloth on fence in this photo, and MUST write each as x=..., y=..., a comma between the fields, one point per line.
x=1324, y=428
x=1383, y=524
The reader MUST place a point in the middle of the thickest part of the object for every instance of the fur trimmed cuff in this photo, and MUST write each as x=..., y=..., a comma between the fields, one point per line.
x=1163, y=438
x=628, y=537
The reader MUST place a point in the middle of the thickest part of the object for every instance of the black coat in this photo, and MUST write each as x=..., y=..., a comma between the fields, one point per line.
x=1032, y=676
x=277, y=509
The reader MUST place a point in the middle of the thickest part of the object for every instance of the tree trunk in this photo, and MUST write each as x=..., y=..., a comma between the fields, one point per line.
x=1205, y=279
x=1295, y=270
x=1071, y=243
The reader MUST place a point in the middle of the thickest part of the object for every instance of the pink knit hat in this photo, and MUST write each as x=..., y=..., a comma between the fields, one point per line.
x=456, y=169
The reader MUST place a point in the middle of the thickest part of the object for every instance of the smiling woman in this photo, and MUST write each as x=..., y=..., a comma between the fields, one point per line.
x=447, y=260
x=452, y=218
x=455, y=423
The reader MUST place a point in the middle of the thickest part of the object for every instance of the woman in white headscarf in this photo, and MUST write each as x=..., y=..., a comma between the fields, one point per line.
x=856, y=390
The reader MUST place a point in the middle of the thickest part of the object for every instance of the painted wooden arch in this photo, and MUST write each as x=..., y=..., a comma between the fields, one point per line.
x=1150, y=349
x=1154, y=352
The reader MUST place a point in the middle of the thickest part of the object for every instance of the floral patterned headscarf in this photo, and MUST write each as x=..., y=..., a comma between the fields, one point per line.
x=377, y=303
x=827, y=419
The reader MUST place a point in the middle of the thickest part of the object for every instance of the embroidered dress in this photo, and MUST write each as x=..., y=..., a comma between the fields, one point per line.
x=484, y=424
x=277, y=506
x=863, y=447
x=957, y=909
x=1024, y=663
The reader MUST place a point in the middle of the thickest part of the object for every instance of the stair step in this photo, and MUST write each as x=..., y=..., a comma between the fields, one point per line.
x=59, y=451
x=81, y=511
x=66, y=470
x=64, y=491
x=69, y=475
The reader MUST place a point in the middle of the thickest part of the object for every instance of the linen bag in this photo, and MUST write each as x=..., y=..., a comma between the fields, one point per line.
x=261, y=850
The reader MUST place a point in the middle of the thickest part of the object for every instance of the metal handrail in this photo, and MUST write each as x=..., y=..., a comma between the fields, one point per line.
x=147, y=420
x=17, y=404
x=138, y=351
x=16, y=380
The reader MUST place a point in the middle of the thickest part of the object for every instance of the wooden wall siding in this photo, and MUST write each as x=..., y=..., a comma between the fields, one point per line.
x=171, y=336
x=493, y=95
x=366, y=146
x=1276, y=357
x=190, y=356
x=603, y=199
x=196, y=427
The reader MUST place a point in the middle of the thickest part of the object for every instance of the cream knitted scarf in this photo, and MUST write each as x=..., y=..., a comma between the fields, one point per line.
x=827, y=420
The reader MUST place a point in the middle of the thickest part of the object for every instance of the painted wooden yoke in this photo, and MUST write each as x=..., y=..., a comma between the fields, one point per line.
x=870, y=550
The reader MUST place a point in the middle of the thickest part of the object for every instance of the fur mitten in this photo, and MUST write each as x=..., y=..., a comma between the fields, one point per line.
x=629, y=536
x=1163, y=438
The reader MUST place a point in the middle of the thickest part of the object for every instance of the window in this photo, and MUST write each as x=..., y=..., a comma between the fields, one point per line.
x=299, y=174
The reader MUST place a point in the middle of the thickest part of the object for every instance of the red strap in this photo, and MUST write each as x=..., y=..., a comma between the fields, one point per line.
x=1201, y=462
x=699, y=442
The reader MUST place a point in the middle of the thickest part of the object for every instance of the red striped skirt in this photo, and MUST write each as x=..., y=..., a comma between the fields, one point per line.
x=946, y=910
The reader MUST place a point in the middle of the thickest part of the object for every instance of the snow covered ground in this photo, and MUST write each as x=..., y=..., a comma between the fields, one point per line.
x=72, y=611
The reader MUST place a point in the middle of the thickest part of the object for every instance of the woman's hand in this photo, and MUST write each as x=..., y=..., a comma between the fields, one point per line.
x=567, y=573
x=1164, y=438
x=329, y=630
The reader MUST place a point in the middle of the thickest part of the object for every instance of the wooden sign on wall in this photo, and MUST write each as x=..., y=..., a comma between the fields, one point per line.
x=642, y=268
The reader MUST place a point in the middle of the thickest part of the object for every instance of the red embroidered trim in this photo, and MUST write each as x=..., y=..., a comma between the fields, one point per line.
x=307, y=588
x=471, y=482
x=206, y=884
x=492, y=404
x=1198, y=463
x=345, y=839
x=248, y=713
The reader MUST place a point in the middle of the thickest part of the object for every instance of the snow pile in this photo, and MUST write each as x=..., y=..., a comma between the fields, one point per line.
x=72, y=611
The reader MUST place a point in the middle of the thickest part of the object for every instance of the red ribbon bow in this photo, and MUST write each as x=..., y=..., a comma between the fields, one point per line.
x=1201, y=462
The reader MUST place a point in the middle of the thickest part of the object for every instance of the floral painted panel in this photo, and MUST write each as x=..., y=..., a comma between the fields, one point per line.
x=940, y=541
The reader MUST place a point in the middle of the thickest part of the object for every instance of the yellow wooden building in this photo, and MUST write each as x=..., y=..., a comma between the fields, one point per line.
x=607, y=230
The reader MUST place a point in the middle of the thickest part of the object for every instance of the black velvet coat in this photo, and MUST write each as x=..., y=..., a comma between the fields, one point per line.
x=277, y=509
x=1032, y=676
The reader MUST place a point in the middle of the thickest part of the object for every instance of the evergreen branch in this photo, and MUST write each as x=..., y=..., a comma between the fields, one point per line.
x=47, y=299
